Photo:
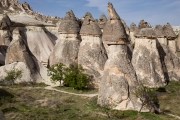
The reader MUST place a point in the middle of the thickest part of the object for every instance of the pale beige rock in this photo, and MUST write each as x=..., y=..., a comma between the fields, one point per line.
x=178, y=43
x=146, y=59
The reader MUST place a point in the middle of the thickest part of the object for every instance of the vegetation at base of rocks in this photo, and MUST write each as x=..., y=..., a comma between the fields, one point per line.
x=12, y=75
x=42, y=104
x=72, y=76
x=147, y=97
x=56, y=72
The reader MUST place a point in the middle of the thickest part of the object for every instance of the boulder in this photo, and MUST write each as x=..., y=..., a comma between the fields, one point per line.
x=67, y=46
x=92, y=55
x=146, y=59
x=119, y=79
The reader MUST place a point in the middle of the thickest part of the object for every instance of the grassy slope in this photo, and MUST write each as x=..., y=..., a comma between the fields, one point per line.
x=41, y=104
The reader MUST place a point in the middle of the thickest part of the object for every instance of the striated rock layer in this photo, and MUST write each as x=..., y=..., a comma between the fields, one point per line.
x=119, y=79
x=92, y=55
x=67, y=46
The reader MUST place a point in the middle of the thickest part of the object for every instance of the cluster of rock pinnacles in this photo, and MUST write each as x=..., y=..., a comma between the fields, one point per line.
x=119, y=59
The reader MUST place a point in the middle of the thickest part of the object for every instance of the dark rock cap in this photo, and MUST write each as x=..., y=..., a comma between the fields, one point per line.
x=159, y=31
x=90, y=26
x=145, y=33
x=133, y=27
x=69, y=24
x=168, y=30
x=114, y=31
x=87, y=14
x=143, y=24
x=5, y=23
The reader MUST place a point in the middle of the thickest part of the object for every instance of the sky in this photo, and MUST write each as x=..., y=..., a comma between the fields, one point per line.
x=152, y=11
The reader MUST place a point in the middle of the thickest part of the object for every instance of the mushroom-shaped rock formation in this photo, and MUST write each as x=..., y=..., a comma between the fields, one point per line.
x=102, y=21
x=119, y=79
x=146, y=59
x=92, y=55
x=171, y=36
x=5, y=35
x=143, y=24
x=67, y=47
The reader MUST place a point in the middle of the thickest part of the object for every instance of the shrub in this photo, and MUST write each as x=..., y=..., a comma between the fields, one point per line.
x=56, y=72
x=13, y=74
x=74, y=77
x=71, y=76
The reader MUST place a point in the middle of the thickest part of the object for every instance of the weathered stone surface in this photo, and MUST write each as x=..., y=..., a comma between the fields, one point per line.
x=5, y=37
x=90, y=26
x=69, y=24
x=145, y=32
x=147, y=64
x=92, y=55
x=38, y=42
x=19, y=52
x=143, y=24
x=168, y=30
x=119, y=78
x=102, y=21
x=114, y=32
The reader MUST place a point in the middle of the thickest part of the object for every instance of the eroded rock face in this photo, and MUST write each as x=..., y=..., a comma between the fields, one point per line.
x=178, y=43
x=119, y=78
x=2, y=55
x=92, y=55
x=146, y=59
x=67, y=46
x=19, y=52
x=174, y=67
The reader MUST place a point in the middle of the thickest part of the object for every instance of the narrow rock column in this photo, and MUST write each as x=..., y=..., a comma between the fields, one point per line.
x=133, y=29
x=178, y=43
x=119, y=78
x=171, y=36
x=67, y=46
x=92, y=55
x=146, y=59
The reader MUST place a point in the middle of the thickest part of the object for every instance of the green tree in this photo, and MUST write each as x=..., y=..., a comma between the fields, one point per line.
x=56, y=72
x=13, y=74
x=74, y=77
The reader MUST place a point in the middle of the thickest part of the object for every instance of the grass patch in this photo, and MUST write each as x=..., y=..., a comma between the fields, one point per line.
x=169, y=99
x=83, y=91
x=41, y=104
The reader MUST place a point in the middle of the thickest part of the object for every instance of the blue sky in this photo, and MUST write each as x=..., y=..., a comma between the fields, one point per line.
x=152, y=11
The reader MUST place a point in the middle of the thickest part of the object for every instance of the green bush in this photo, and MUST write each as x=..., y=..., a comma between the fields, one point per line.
x=13, y=74
x=71, y=76
x=56, y=72
x=74, y=77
